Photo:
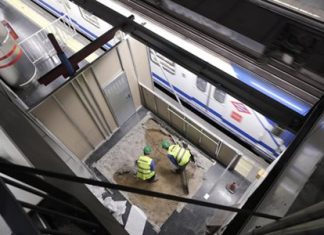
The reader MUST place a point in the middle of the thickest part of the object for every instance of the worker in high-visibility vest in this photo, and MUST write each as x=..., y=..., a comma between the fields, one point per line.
x=146, y=166
x=178, y=156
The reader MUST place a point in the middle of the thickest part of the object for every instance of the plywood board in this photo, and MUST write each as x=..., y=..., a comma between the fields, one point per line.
x=100, y=98
x=141, y=60
x=107, y=67
x=127, y=63
x=56, y=121
x=193, y=134
x=226, y=155
x=78, y=114
x=149, y=100
x=177, y=122
x=208, y=145
x=162, y=109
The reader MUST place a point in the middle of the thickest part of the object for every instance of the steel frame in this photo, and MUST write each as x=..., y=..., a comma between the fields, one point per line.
x=13, y=214
x=274, y=110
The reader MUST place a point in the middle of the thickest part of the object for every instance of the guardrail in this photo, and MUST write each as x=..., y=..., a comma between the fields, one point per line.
x=63, y=30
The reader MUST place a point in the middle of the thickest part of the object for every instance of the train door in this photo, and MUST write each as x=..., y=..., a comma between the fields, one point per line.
x=120, y=99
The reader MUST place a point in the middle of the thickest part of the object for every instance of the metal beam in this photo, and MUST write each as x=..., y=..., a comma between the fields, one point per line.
x=41, y=194
x=11, y=169
x=255, y=199
x=46, y=211
x=13, y=213
x=308, y=214
x=81, y=55
x=272, y=109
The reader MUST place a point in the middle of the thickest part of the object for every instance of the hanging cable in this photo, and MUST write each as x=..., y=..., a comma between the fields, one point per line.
x=166, y=77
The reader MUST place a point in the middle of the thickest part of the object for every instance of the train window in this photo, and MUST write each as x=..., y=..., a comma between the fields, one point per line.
x=167, y=64
x=201, y=84
x=92, y=19
x=219, y=95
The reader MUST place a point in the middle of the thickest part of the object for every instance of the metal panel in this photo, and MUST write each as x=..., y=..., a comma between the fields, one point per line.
x=162, y=109
x=120, y=99
x=209, y=144
x=149, y=100
x=226, y=155
x=25, y=137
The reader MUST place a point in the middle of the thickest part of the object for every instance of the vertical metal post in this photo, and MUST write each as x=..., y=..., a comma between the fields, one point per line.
x=88, y=110
x=106, y=126
x=102, y=93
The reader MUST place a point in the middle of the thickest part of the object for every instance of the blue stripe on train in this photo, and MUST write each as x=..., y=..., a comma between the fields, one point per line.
x=270, y=90
x=226, y=122
x=82, y=29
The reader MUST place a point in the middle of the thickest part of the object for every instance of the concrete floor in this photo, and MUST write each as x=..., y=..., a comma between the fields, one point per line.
x=191, y=219
x=127, y=150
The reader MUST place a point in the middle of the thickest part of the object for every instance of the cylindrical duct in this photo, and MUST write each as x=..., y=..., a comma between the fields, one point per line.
x=15, y=67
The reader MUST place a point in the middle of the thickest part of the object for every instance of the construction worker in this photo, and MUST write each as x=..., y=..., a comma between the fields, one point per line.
x=178, y=156
x=146, y=166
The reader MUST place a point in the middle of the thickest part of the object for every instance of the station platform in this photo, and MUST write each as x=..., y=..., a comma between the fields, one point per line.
x=27, y=20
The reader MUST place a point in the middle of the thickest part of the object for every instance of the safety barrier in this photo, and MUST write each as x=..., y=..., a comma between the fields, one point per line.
x=62, y=28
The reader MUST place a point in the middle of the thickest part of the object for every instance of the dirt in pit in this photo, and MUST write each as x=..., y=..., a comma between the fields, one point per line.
x=157, y=210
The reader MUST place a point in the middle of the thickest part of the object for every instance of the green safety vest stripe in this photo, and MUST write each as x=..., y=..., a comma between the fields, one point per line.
x=181, y=155
x=144, y=168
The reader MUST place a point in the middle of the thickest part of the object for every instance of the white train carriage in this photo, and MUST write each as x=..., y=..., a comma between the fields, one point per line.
x=252, y=127
x=222, y=108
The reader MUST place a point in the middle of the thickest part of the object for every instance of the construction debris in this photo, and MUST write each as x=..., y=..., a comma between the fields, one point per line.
x=118, y=208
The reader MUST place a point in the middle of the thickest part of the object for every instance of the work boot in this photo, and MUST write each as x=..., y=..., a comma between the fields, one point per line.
x=153, y=180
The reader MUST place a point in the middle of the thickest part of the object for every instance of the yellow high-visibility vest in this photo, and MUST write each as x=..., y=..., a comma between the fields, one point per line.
x=181, y=155
x=144, y=168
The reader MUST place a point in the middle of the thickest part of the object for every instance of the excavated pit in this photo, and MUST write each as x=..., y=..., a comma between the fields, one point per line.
x=117, y=166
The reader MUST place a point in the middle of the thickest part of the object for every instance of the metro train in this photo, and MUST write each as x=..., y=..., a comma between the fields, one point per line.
x=255, y=129
x=222, y=108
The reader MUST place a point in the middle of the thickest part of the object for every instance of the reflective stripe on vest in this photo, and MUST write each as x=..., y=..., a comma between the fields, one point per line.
x=144, y=168
x=181, y=155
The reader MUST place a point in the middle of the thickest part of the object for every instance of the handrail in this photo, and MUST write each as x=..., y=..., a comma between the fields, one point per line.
x=12, y=169
x=62, y=28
